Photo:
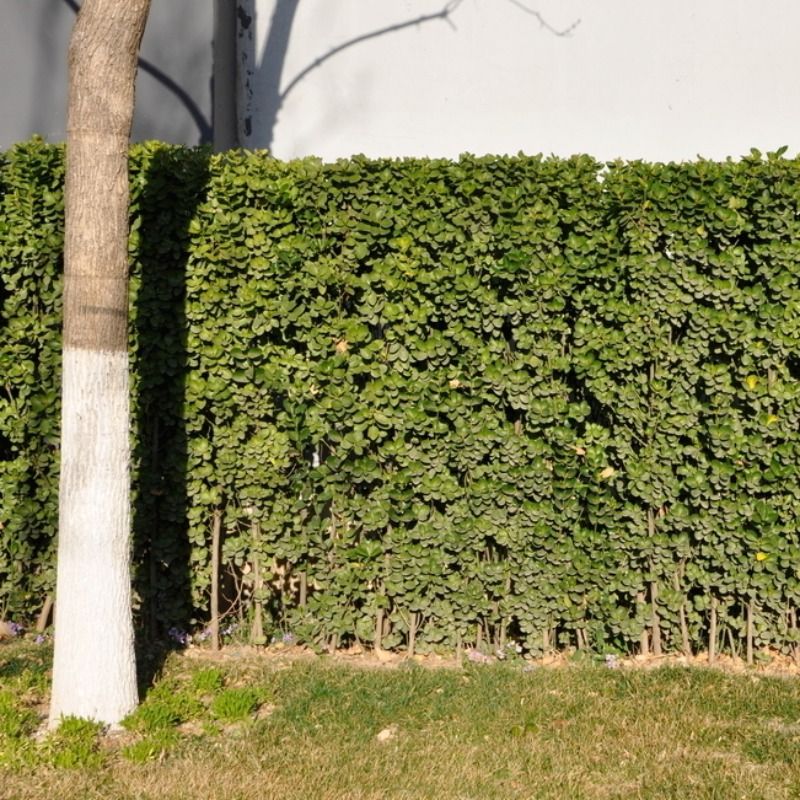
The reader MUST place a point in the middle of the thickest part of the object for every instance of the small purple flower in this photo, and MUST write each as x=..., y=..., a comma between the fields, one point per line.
x=288, y=639
x=611, y=662
x=203, y=635
x=16, y=628
x=476, y=657
x=510, y=650
x=40, y=639
x=228, y=630
x=178, y=636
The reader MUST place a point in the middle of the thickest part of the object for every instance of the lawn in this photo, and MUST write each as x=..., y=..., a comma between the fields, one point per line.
x=292, y=725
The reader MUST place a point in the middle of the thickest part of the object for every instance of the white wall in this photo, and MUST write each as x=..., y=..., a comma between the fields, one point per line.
x=654, y=79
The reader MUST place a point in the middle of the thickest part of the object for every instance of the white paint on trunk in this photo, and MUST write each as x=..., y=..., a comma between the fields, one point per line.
x=94, y=670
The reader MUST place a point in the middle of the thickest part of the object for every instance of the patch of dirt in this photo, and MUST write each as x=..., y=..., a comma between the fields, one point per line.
x=6, y=631
x=767, y=663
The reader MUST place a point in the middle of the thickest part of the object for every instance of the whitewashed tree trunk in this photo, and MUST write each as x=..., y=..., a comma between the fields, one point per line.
x=94, y=669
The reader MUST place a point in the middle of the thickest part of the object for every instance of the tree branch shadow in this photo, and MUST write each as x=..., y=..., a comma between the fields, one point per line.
x=273, y=54
x=444, y=15
x=543, y=22
x=204, y=128
x=276, y=45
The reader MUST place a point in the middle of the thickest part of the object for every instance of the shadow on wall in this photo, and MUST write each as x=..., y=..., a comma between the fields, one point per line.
x=265, y=71
x=144, y=120
x=50, y=79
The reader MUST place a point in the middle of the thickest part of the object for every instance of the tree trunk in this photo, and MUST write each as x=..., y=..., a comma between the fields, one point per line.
x=94, y=670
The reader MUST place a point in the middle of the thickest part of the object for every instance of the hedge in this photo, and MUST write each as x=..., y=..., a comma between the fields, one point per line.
x=499, y=402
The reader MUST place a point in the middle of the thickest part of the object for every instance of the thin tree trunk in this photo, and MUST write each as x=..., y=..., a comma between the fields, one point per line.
x=712, y=632
x=303, y=589
x=655, y=624
x=644, y=639
x=257, y=629
x=216, y=539
x=44, y=614
x=677, y=579
x=793, y=630
x=94, y=670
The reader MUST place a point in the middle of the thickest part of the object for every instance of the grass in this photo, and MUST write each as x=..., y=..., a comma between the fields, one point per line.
x=256, y=727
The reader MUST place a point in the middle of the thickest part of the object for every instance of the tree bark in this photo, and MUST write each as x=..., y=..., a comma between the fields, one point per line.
x=94, y=669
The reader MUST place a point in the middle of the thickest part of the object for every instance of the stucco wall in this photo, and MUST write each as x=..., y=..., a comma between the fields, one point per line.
x=656, y=79
x=660, y=79
x=174, y=104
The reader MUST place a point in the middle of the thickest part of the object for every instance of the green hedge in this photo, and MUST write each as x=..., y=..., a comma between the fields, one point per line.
x=490, y=402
